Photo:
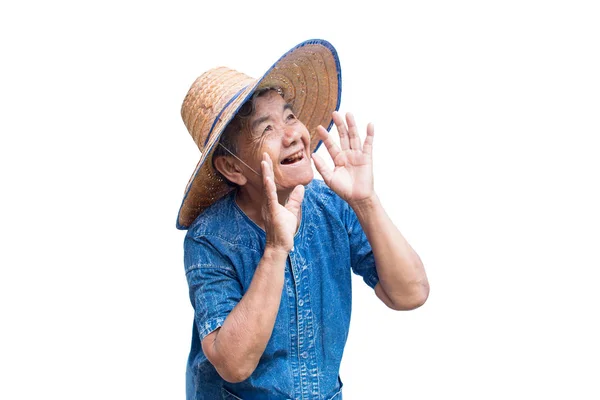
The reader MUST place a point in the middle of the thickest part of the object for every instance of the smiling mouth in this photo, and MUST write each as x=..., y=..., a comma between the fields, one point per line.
x=294, y=158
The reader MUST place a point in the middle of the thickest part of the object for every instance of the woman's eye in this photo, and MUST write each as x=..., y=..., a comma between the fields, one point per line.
x=268, y=128
x=291, y=116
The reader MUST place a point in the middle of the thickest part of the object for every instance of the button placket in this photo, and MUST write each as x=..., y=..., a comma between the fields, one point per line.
x=309, y=375
x=294, y=350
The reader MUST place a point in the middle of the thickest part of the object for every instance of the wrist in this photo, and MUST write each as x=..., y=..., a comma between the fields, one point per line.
x=365, y=206
x=275, y=253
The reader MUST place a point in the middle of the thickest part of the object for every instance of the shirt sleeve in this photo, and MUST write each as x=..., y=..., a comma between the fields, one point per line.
x=213, y=283
x=361, y=254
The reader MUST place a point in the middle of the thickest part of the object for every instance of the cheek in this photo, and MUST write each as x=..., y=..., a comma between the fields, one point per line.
x=255, y=147
x=271, y=147
x=306, y=138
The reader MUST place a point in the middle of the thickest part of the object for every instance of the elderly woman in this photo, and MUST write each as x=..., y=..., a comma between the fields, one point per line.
x=269, y=249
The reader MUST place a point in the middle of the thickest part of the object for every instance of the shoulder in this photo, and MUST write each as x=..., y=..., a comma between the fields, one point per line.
x=223, y=225
x=219, y=213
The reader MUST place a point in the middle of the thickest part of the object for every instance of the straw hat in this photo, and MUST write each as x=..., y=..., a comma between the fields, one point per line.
x=309, y=76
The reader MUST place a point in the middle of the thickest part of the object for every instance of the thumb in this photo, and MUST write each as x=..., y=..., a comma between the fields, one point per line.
x=295, y=200
x=322, y=167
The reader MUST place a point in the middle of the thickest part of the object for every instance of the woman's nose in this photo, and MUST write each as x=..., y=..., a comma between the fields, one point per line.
x=290, y=134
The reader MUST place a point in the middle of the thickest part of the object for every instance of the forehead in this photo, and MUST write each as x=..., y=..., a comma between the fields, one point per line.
x=269, y=99
x=264, y=106
x=266, y=109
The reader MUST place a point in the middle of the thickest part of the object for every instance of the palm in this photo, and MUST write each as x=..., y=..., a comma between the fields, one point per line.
x=281, y=221
x=352, y=175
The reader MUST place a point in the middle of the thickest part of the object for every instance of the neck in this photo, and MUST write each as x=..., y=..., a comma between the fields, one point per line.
x=251, y=200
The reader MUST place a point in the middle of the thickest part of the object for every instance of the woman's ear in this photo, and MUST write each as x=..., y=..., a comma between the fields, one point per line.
x=230, y=169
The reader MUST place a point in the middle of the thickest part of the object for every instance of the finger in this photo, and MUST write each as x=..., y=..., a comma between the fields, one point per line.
x=342, y=130
x=269, y=170
x=323, y=169
x=331, y=146
x=270, y=162
x=368, y=145
x=294, y=202
x=269, y=183
x=267, y=174
x=353, y=132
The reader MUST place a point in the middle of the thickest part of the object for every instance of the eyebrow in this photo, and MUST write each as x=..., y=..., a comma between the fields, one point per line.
x=257, y=122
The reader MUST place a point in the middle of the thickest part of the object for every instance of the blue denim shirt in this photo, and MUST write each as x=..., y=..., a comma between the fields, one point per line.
x=302, y=358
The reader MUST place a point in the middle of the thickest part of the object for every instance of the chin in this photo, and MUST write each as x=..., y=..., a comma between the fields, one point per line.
x=306, y=178
x=301, y=179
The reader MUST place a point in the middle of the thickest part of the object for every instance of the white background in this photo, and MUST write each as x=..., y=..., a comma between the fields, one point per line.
x=486, y=156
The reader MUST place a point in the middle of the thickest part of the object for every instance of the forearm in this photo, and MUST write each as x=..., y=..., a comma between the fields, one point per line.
x=402, y=277
x=238, y=345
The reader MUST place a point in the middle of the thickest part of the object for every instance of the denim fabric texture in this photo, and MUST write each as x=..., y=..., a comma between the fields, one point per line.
x=302, y=359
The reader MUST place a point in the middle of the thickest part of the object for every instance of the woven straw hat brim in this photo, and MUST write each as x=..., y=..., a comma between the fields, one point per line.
x=310, y=78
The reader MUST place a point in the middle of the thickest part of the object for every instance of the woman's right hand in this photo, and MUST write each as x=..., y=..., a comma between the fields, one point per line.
x=281, y=222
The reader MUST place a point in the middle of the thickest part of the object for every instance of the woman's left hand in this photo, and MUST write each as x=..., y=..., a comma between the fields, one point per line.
x=352, y=175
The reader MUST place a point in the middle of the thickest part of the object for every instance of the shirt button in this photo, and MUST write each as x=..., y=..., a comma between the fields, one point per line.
x=304, y=355
x=300, y=302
